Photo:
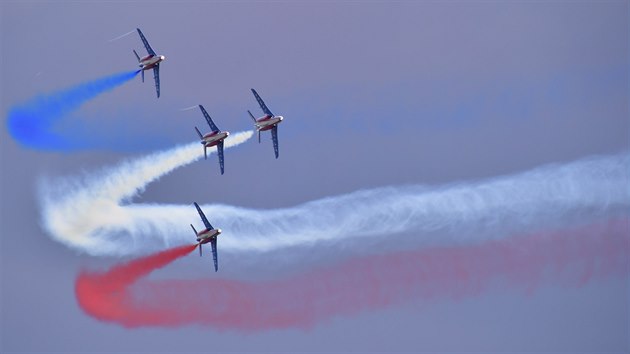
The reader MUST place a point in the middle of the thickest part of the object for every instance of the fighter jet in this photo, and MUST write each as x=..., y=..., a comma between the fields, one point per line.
x=213, y=138
x=209, y=234
x=151, y=61
x=268, y=122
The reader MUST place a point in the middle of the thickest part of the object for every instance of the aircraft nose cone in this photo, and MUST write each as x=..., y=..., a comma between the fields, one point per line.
x=162, y=57
x=218, y=231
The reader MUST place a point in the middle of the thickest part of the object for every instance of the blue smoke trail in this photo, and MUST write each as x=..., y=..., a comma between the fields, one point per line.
x=32, y=123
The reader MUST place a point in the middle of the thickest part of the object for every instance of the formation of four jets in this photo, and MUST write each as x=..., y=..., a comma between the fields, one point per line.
x=214, y=138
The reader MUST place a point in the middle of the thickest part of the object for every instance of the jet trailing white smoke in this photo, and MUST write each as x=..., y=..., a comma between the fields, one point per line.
x=87, y=213
x=94, y=214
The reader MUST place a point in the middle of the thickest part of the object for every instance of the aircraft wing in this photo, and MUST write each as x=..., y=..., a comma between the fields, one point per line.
x=274, y=137
x=156, y=76
x=215, y=255
x=203, y=217
x=262, y=104
x=146, y=43
x=209, y=120
x=220, y=151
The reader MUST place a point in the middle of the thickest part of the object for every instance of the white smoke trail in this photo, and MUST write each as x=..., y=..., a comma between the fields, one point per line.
x=94, y=217
x=121, y=36
x=84, y=214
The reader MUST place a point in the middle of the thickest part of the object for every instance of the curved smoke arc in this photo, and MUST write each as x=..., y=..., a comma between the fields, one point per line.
x=93, y=214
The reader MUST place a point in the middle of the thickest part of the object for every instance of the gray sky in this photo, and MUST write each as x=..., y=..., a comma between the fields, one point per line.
x=374, y=94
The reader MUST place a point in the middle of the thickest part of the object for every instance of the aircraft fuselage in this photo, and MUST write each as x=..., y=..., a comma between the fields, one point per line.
x=213, y=138
x=150, y=61
x=267, y=122
x=207, y=235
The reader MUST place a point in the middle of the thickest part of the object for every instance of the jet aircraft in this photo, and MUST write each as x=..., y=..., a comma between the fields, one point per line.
x=213, y=138
x=151, y=61
x=268, y=122
x=209, y=234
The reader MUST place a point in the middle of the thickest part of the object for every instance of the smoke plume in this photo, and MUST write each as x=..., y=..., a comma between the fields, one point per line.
x=566, y=258
x=93, y=214
x=33, y=123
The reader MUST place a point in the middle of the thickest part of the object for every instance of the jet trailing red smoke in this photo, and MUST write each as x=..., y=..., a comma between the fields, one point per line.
x=566, y=258
x=106, y=296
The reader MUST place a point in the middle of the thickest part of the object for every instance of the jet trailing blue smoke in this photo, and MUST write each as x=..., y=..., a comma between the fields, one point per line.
x=33, y=123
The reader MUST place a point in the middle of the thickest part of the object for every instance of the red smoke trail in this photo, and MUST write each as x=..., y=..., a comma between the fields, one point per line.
x=106, y=296
x=565, y=258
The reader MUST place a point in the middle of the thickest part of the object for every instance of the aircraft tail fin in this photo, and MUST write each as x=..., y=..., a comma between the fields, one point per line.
x=251, y=115
x=200, y=250
x=195, y=231
x=259, y=137
x=142, y=72
x=199, y=133
x=137, y=56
